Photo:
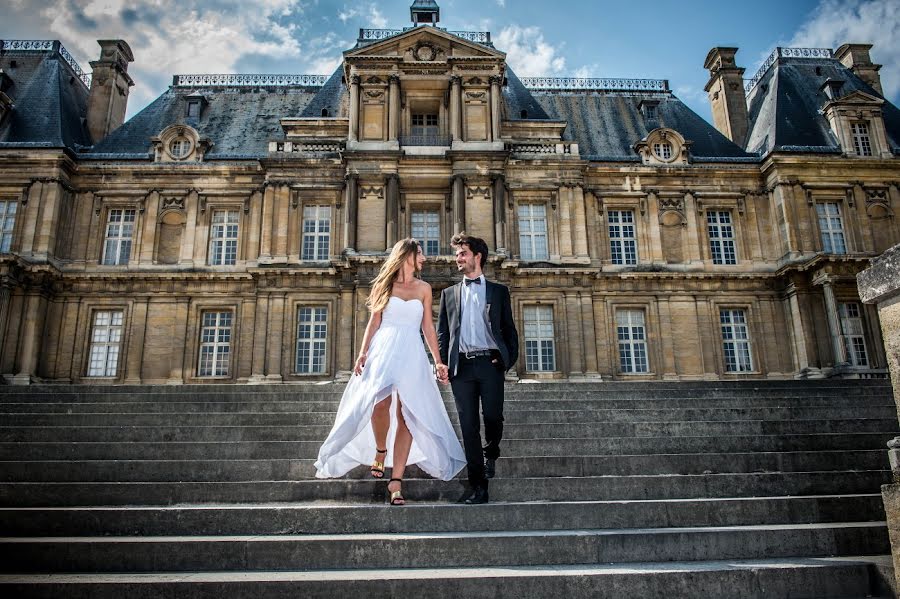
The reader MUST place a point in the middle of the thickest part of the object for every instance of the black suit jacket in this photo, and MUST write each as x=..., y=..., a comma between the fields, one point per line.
x=500, y=317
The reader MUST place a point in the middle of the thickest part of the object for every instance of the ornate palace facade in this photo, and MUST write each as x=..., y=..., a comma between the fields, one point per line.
x=229, y=231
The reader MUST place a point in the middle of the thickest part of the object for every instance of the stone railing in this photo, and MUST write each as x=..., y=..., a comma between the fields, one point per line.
x=780, y=52
x=539, y=149
x=425, y=140
x=45, y=46
x=599, y=84
x=255, y=80
x=325, y=146
x=375, y=35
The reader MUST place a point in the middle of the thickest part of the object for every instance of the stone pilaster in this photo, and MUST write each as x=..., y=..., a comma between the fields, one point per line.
x=459, y=203
x=495, y=107
x=393, y=107
x=354, y=108
x=351, y=213
x=499, y=198
x=392, y=209
x=455, y=108
x=32, y=334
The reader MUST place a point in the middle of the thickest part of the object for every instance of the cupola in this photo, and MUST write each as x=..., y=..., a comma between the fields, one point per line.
x=425, y=12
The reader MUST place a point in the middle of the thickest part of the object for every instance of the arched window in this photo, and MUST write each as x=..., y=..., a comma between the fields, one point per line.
x=324, y=112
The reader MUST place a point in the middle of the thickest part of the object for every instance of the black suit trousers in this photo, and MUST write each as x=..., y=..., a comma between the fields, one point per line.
x=479, y=381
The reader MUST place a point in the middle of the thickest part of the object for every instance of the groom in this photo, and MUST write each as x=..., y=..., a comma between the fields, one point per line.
x=478, y=343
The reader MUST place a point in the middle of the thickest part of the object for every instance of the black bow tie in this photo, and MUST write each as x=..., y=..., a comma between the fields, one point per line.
x=470, y=281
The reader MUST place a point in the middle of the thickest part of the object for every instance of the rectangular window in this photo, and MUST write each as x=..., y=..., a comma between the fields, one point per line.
x=312, y=340
x=853, y=334
x=223, y=238
x=861, y=141
x=425, y=124
x=7, y=224
x=106, y=341
x=119, y=230
x=632, y=341
x=215, y=344
x=540, y=352
x=721, y=237
x=832, y=228
x=426, y=227
x=316, y=233
x=736, y=340
x=533, y=232
x=622, y=239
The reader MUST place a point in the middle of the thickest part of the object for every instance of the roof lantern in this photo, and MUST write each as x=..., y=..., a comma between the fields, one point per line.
x=425, y=12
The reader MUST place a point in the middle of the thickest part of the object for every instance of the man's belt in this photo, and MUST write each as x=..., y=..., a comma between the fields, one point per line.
x=475, y=353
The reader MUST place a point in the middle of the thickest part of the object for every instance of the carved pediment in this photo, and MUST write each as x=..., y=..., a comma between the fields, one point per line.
x=859, y=97
x=424, y=44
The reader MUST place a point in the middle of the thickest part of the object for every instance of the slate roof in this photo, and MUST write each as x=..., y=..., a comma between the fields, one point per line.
x=606, y=125
x=784, y=107
x=50, y=102
x=239, y=121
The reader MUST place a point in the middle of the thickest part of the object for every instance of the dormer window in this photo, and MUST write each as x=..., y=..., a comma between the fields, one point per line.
x=649, y=109
x=194, y=104
x=180, y=147
x=664, y=146
x=324, y=112
x=861, y=141
x=193, y=109
x=663, y=150
x=180, y=143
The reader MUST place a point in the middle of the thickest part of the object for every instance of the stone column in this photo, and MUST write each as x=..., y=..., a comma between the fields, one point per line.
x=834, y=324
x=459, y=203
x=801, y=357
x=281, y=223
x=190, y=229
x=260, y=326
x=135, y=355
x=495, y=107
x=354, y=108
x=149, y=224
x=499, y=197
x=179, y=339
x=652, y=221
x=880, y=284
x=393, y=107
x=565, y=221
x=351, y=213
x=455, y=109
x=591, y=367
x=32, y=333
x=5, y=294
x=580, y=236
x=266, y=226
x=346, y=354
x=575, y=333
x=392, y=209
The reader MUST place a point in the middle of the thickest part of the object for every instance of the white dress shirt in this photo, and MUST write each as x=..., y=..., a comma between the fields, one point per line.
x=475, y=333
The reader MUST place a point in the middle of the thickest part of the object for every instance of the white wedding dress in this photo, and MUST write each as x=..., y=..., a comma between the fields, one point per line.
x=396, y=365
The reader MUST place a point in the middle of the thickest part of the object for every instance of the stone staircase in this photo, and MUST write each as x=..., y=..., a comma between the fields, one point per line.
x=737, y=489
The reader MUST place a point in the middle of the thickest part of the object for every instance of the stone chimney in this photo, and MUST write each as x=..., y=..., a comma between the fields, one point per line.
x=856, y=58
x=109, y=88
x=726, y=94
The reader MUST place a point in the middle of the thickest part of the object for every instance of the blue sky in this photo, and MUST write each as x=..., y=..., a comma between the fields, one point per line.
x=653, y=38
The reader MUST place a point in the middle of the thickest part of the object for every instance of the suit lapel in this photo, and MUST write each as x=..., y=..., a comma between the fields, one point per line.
x=457, y=293
x=488, y=292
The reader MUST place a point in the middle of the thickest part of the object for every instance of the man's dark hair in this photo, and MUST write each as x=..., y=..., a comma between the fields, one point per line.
x=476, y=245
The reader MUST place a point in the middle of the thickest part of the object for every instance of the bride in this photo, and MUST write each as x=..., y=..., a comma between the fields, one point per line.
x=393, y=386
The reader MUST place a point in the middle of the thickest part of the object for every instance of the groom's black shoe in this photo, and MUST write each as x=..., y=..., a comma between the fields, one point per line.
x=490, y=468
x=478, y=497
x=466, y=495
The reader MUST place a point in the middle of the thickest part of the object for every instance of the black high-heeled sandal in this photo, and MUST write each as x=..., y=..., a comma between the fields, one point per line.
x=397, y=496
x=377, y=468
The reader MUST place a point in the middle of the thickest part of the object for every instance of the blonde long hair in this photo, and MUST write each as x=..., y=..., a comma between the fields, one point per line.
x=383, y=284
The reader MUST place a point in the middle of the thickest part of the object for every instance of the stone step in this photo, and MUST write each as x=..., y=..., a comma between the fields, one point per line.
x=588, y=488
x=511, y=431
x=118, y=450
x=766, y=578
x=507, y=467
x=338, y=518
x=442, y=550
x=239, y=393
x=513, y=413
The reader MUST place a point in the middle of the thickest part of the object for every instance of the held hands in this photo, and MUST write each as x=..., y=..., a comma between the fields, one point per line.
x=360, y=362
x=442, y=373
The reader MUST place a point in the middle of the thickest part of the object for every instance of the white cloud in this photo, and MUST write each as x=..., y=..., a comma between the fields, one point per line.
x=877, y=22
x=528, y=53
x=190, y=36
x=501, y=3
